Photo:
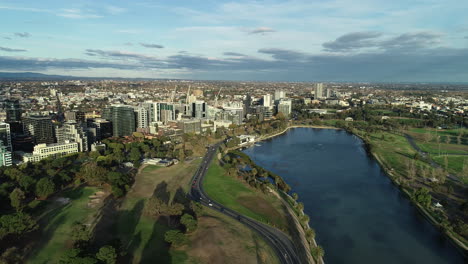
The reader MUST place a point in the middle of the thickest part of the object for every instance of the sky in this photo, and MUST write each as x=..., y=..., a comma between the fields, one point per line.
x=297, y=40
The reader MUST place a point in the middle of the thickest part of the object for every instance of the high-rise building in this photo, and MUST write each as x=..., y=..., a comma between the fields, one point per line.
x=5, y=136
x=142, y=116
x=166, y=112
x=40, y=128
x=247, y=104
x=122, y=118
x=98, y=129
x=199, y=109
x=5, y=155
x=13, y=110
x=279, y=94
x=318, y=91
x=72, y=132
x=267, y=101
x=285, y=107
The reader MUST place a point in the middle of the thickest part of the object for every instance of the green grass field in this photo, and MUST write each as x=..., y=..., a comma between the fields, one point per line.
x=234, y=194
x=393, y=150
x=57, y=222
x=222, y=239
x=143, y=237
x=455, y=163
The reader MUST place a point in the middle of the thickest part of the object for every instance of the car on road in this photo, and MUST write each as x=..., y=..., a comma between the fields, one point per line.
x=210, y=204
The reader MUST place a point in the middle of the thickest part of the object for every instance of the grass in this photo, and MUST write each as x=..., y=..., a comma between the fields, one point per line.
x=58, y=221
x=455, y=163
x=234, y=194
x=393, y=150
x=221, y=239
x=434, y=148
x=143, y=237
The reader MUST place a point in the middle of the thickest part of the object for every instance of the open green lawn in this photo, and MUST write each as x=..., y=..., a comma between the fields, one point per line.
x=393, y=150
x=455, y=163
x=234, y=194
x=434, y=148
x=222, y=239
x=142, y=236
x=57, y=221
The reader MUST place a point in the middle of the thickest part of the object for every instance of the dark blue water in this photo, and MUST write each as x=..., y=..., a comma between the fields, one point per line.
x=358, y=214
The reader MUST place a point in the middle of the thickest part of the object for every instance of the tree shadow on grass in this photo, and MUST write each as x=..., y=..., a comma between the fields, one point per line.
x=47, y=226
x=106, y=221
x=181, y=197
x=127, y=223
x=161, y=192
x=157, y=249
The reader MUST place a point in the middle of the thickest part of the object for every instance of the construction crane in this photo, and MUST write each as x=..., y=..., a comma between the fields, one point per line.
x=216, y=98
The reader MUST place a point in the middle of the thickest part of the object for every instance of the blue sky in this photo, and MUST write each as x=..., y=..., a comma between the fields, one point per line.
x=340, y=40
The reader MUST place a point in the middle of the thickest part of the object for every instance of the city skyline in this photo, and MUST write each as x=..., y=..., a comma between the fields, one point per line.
x=248, y=40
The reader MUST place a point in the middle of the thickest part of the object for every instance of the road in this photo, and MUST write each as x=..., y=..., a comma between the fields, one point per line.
x=280, y=243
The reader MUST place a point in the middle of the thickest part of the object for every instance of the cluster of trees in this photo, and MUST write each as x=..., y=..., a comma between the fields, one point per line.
x=23, y=187
x=187, y=224
x=234, y=163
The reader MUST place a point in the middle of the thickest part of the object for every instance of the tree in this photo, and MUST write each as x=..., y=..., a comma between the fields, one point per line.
x=107, y=254
x=135, y=154
x=80, y=233
x=197, y=208
x=189, y=222
x=17, y=198
x=44, y=188
x=93, y=173
x=11, y=256
x=310, y=234
x=175, y=237
x=317, y=252
x=423, y=197
x=295, y=196
x=74, y=256
x=16, y=224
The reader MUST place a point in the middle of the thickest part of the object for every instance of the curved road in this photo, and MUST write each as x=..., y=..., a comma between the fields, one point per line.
x=277, y=239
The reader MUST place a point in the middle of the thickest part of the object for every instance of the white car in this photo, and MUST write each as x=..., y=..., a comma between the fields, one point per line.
x=210, y=204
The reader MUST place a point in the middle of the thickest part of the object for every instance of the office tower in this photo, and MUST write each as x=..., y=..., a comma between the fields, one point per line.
x=72, y=132
x=142, y=116
x=267, y=100
x=13, y=110
x=5, y=155
x=319, y=91
x=40, y=128
x=279, y=94
x=166, y=112
x=247, y=104
x=5, y=136
x=285, y=107
x=99, y=129
x=199, y=109
x=122, y=118
x=75, y=116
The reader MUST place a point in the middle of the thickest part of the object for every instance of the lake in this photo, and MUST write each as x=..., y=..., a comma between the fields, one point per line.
x=358, y=214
